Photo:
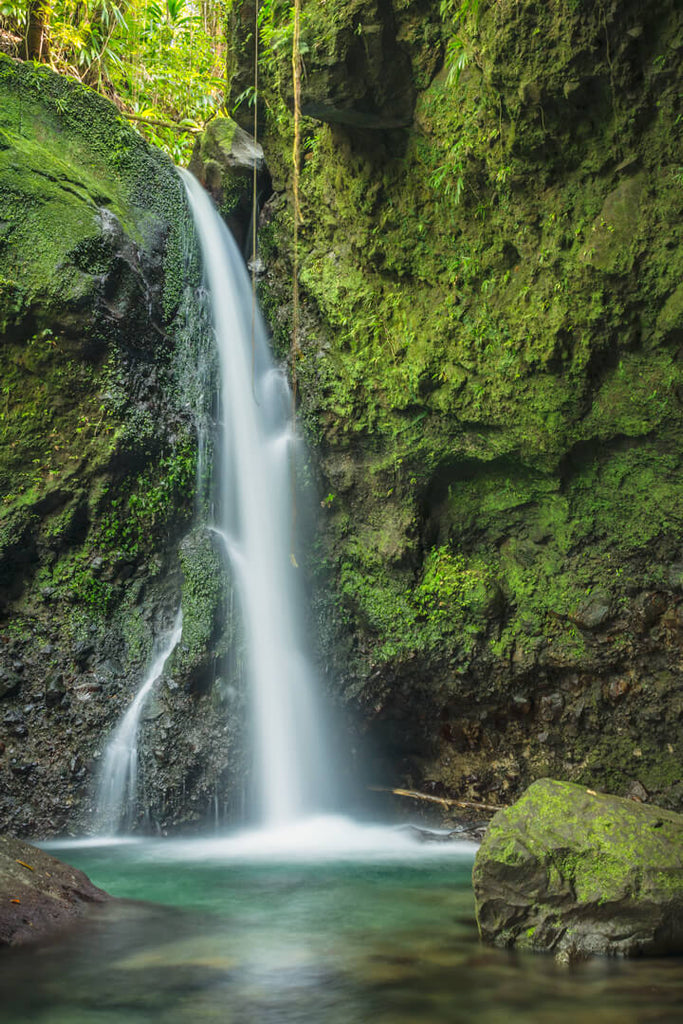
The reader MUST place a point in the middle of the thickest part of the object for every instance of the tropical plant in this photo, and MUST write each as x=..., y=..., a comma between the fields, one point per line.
x=161, y=61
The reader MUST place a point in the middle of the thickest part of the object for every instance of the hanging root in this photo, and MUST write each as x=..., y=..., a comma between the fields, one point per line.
x=295, y=350
x=254, y=201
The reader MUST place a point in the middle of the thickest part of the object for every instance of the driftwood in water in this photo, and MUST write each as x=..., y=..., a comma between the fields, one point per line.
x=443, y=801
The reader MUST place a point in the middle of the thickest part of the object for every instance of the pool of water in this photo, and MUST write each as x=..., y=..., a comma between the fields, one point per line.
x=239, y=932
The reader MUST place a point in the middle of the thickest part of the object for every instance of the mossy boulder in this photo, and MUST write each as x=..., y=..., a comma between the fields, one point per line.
x=575, y=872
x=223, y=160
x=98, y=349
x=205, y=585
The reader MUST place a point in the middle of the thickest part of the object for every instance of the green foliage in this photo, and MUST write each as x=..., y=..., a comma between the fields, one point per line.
x=454, y=587
x=152, y=501
x=162, y=60
x=455, y=14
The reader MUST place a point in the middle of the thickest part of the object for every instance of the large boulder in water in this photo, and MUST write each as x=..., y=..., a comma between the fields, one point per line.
x=572, y=871
x=38, y=893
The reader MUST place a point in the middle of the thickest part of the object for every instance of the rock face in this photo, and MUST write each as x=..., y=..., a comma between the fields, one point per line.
x=98, y=357
x=39, y=894
x=576, y=872
x=492, y=380
x=223, y=160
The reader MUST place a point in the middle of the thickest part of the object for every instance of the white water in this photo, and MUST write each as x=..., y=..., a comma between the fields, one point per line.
x=291, y=763
x=321, y=839
x=118, y=777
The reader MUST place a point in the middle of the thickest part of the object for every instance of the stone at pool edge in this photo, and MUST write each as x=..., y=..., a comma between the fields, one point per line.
x=574, y=872
x=39, y=894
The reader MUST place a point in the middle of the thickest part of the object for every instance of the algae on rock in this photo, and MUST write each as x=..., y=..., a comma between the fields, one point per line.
x=576, y=872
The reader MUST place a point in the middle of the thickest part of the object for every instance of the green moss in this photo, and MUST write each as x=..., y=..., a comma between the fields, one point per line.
x=592, y=842
x=203, y=602
x=93, y=483
x=148, y=503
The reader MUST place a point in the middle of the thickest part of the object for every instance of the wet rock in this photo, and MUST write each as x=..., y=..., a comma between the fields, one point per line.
x=82, y=651
x=38, y=894
x=521, y=703
x=551, y=707
x=618, y=687
x=54, y=689
x=595, y=611
x=469, y=831
x=14, y=720
x=9, y=682
x=675, y=575
x=637, y=791
x=576, y=872
x=223, y=161
x=648, y=609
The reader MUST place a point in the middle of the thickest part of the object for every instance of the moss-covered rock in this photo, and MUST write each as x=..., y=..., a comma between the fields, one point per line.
x=491, y=377
x=576, y=872
x=205, y=599
x=97, y=449
x=224, y=160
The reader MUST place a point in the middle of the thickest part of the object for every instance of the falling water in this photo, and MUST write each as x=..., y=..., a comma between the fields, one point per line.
x=292, y=772
x=117, y=787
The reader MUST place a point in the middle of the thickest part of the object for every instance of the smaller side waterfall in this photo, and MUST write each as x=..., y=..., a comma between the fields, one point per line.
x=117, y=785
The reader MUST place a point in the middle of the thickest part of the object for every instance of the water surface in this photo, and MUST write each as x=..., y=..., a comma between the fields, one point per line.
x=366, y=935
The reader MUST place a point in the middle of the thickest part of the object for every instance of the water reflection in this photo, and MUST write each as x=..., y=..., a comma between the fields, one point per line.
x=343, y=943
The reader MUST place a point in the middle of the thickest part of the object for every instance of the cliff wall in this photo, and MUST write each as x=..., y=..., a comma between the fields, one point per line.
x=490, y=376
x=98, y=353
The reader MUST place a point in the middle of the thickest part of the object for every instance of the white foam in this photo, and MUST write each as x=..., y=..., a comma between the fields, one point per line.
x=83, y=843
x=317, y=839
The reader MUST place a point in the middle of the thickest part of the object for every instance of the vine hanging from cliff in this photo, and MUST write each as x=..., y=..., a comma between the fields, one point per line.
x=295, y=349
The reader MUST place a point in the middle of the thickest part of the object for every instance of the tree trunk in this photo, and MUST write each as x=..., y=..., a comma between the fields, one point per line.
x=37, y=31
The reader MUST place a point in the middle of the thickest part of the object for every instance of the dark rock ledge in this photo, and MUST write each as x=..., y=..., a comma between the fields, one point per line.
x=38, y=894
x=577, y=873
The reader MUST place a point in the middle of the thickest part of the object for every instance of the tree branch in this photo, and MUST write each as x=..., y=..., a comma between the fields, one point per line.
x=443, y=801
x=159, y=124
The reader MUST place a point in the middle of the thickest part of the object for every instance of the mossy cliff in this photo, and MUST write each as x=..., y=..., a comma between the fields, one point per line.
x=98, y=459
x=491, y=379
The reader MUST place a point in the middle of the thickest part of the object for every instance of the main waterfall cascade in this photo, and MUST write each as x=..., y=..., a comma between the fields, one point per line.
x=293, y=792
x=292, y=771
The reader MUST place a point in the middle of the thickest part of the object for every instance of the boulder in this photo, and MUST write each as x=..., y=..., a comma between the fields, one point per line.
x=575, y=872
x=38, y=893
x=223, y=161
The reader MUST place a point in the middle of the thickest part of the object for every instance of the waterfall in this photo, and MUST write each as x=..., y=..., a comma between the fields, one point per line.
x=292, y=774
x=117, y=786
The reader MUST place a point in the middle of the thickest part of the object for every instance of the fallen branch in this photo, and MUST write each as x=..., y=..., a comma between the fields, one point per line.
x=443, y=801
x=160, y=124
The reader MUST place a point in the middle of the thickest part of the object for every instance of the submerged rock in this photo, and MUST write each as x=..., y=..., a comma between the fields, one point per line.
x=39, y=894
x=576, y=872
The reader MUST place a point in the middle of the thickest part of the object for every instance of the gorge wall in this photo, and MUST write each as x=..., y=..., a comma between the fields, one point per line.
x=490, y=378
x=490, y=381
x=99, y=345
